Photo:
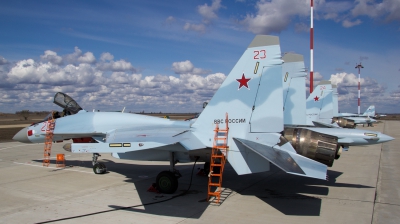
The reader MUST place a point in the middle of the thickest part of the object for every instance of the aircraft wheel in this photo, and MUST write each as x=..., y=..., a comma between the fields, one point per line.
x=167, y=182
x=99, y=168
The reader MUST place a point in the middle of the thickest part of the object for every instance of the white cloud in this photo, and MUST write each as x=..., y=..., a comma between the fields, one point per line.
x=186, y=67
x=347, y=23
x=3, y=61
x=349, y=79
x=88, y=58
x=209, y=12
x=170, y=20
x=160, y=78
x=201, y=28
x=52, y=57
x=274, y=16
x=301, y=27
x=371, y=92
x=120, y=65
x=71, y=58
x=389, y=9
x=106, y=57
x=182, y=67
x=32, y=84
x=107, y=63
x=317, y=78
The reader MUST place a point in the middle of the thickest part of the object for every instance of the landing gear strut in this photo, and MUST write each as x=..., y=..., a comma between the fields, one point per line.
x=98, y=168
x=167, y=181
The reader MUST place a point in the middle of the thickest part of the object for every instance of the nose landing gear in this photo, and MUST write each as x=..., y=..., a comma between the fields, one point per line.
x=98, y=167
x=167, y=181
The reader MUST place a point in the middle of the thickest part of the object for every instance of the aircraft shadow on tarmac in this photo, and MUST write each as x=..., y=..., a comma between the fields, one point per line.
x=284, y=192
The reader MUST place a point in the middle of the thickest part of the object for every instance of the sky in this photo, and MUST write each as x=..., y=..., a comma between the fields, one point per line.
x=171, y=56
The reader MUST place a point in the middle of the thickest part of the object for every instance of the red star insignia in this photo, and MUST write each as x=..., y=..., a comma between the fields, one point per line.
x=243, y=81
x=316, y=98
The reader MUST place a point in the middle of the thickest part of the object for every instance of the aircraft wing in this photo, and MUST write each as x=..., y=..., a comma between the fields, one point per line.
x=325, y=125
x=347, y=141
x=159, y=134
x=126, y=140
x=287, y=160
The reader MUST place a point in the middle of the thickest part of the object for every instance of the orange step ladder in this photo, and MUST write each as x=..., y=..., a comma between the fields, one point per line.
x=217, y=163
x=48, y=141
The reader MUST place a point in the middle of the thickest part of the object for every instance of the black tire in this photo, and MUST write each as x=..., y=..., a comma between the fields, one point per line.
x=167, y=182
x=99, y=168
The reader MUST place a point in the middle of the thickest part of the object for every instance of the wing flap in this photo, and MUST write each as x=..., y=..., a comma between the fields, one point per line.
x=287, y=161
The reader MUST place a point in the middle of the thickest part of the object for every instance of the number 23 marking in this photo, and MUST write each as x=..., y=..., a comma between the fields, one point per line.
x=260, y=54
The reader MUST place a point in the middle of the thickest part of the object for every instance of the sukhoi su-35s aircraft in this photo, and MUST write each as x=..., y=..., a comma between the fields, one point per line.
x=369, y=112
x=350, y=121
x=255, y=123
x=302, y=117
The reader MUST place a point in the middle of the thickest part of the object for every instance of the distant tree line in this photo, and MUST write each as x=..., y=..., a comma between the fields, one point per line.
x=26, y=113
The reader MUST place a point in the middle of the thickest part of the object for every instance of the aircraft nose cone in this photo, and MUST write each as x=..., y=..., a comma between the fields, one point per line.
x=385, y=138
x=22, y=136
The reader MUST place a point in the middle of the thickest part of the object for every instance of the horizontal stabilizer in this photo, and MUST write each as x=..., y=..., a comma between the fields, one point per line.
x=289, y=162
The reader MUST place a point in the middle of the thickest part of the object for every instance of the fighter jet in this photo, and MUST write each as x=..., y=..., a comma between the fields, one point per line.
x=370, y=112
x=347, y=120
x=255, y=124
x=302, y=117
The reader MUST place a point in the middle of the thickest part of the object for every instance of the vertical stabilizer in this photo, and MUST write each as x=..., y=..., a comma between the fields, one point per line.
x=370, y=112
x=251, y=94
x=294, y=89
x=320, y=104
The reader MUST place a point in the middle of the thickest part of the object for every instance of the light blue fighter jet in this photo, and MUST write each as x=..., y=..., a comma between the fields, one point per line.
x=348, y=120
x=369, y=112
x=251, y=95
x=308, y=123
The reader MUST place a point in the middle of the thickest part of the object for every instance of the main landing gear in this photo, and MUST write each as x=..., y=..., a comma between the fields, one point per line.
x=98, y=168
x=167, y=181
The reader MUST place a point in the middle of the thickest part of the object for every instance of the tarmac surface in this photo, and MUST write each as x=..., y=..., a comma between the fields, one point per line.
x=362, y=188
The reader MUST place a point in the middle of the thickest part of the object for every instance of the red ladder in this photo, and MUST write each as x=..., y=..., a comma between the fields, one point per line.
x=217, y=162
x=48, y=141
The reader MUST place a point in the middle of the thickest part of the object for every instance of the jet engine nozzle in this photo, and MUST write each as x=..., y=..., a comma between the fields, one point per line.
x=67, y=147
x=344, y=122
x=313, y=145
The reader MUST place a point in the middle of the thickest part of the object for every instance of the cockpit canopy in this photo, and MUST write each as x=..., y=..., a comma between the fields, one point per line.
x=66, y=102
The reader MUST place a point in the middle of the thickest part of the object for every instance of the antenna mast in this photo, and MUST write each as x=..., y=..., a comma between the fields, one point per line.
x=359, y=66
x=312, y=48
